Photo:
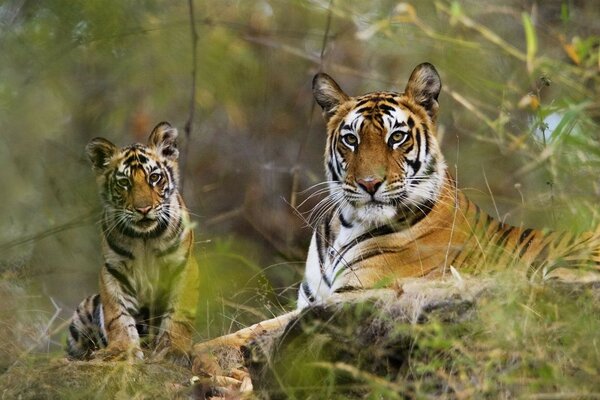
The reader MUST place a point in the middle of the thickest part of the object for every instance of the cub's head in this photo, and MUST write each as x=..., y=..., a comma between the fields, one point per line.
x=382, y=158
x=138, y=182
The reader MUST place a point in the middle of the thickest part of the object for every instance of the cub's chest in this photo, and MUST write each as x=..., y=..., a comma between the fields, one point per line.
x=152, y=272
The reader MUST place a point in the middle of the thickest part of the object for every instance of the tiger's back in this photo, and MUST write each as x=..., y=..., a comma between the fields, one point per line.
x=394, y=210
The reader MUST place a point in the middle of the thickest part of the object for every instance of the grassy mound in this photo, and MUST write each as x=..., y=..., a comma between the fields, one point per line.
x=511, y=341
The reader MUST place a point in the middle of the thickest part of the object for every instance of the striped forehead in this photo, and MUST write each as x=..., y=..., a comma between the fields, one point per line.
x=392, y=117
x=136, y=157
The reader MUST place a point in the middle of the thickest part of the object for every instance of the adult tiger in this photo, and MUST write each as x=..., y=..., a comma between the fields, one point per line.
x=149, y=281
x=393, y=211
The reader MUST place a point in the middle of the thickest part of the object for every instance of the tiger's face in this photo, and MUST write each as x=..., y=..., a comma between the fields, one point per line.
x=137, y=182
x=382, y=158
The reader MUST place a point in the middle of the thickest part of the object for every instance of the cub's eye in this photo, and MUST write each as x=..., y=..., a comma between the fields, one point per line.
x=350, y=140
x=154, y=177
x=123, y=182
x=397, y=138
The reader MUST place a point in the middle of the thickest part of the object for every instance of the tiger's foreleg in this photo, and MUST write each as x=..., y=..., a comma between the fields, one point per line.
x=116, y=294
x=175, y=337
x=205, y=354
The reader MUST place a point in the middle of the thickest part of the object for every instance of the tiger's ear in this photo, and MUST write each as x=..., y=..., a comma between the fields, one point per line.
x=328, y=93
x=424, y=87
x=164, y=139
x=100, y=151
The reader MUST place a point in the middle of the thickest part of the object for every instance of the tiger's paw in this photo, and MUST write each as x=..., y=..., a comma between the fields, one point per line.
x=175, y=351
x=236, y=385
x=221, y=368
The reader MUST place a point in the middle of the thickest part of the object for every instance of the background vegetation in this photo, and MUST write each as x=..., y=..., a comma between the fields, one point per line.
x=519, y=125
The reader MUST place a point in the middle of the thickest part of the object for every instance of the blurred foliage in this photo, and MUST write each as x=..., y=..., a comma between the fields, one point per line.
x=519, y=125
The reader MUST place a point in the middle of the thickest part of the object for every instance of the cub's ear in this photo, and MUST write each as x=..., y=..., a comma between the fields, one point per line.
x=328, y=93
x=164, y=139
x=424, y=87
x=100, y=151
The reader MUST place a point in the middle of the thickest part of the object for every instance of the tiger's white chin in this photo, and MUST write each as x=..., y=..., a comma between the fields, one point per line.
x=375, y=213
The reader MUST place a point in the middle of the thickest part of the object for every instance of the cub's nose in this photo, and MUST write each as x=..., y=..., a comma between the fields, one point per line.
x=143, y=210
x=370, y=185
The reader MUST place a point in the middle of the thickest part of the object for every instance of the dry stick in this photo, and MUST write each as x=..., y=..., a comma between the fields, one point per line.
x=190, y=122
x=46, y=334
x=296, y=168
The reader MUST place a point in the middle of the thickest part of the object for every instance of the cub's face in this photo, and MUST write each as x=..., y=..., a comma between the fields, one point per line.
x=382, y=158
x=137, y=182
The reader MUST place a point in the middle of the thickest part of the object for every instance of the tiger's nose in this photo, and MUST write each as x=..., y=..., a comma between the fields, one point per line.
x=143, y=210
x=370, y=185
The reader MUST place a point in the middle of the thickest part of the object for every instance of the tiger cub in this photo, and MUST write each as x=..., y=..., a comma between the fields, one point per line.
x=393, y=211
x=149, y=280
x=397, y=213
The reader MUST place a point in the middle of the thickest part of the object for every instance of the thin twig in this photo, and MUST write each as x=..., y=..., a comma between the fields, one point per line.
x=189, y=125
x=76, y=222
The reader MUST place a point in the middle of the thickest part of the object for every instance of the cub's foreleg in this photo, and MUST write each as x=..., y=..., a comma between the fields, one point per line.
x=175, y=337
x=117, y=294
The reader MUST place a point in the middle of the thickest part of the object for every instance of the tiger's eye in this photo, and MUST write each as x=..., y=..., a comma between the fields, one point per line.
x=154, y=177
x=123, y=182
x=397, y=138
x=350, y=140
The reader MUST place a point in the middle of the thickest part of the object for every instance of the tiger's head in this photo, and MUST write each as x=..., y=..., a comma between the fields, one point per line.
x=382, y=158
x=138, y=183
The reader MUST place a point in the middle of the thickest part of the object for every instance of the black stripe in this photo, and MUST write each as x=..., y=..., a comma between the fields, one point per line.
x=121, y=278
x=118, y=249
x=500, y=244
x=524, y=235
x=366, y=256
x=307, y=293
x=399, y=124
x=334, y=174
x=363, y=102
x=74, y=332
x=343, y=289
x=380, y=231
x=418, y=214
x=345, y=223
x=320, y=252
x=98, y=318
x=96, y=303
x=114, y=319
x=385, y=108
x=526, y=245
x=344, y=126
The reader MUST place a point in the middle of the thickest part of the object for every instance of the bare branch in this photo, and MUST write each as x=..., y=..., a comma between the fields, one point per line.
x=189, y=125
x=296, y=168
